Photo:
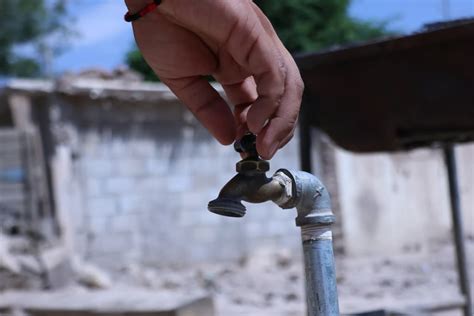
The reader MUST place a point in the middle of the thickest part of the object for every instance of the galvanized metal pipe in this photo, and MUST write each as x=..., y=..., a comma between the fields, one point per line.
x=290, y=189
x=313, y=204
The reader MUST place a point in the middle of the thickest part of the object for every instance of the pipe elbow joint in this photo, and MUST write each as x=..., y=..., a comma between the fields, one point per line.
x=311, y=199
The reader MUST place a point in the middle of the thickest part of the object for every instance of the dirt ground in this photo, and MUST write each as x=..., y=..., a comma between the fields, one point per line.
x=271, y=282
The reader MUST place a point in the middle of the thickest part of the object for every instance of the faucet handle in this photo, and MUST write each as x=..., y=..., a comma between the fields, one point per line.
x=247, y=144
x=252, y=164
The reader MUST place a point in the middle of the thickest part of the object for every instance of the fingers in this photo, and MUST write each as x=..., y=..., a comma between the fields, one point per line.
x=280, y=128
x=241, y=95
x=239, y=87
x=260, y=56
x=206, y=104
x=253, y=50
x=180, y=58
x=281, y=125
x=240, y=30
x=240, y=114
x=255, y=46
x=243, y=92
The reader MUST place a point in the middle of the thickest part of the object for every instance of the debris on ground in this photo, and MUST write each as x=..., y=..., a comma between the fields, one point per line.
x=271, y=282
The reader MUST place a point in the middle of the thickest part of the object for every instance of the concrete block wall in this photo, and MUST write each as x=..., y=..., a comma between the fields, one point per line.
x=144, y=176
x=133, y=173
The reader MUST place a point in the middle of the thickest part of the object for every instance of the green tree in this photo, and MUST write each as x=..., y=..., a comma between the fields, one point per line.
x=311, y=25
x=41, y=24
x=135, y=61
x=303, y=26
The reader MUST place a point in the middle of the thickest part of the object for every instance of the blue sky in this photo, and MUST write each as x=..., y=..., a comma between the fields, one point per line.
x=104, y=38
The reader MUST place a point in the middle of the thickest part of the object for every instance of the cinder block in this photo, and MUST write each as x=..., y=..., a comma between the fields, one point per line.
x=143, y=148
x=179, y=184
x=147, y=187
x=119, y=185
x=123, y=223
x=132, y=203
x=156, y=166
x=102, y=207
x=130, y=167
x=98, y=168
x=151, y=186
x=94, y=187
x=118, y=148
x=97, y=224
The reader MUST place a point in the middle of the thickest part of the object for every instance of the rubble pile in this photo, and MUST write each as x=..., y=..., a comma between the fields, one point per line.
x=271, y=282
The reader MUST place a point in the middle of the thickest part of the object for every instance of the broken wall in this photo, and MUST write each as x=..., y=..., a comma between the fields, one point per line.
x=133, y=174
x=133, y=171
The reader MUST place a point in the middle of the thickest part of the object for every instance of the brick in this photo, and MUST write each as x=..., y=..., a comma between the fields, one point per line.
x=133, y=204
x=118, y=148
x=147, y=186
x=144, y=148
x=102, y=207
x=154, y=166
x=123, y=224
x=98, y=168
x=94, y=187
x=119, y=185
x=179, y=184
x=150, y=186
x=98, y=224
x=131, y=167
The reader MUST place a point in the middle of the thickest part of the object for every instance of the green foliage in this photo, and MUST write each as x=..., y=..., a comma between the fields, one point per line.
x=32, y=22
x=303, y=26
x=310, y=25
x=135, y=61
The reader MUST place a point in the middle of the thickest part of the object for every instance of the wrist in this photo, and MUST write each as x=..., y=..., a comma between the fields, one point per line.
x=133, y=15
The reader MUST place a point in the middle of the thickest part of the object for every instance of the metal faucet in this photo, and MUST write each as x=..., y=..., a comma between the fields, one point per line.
x=250, y=184
x=289, y=189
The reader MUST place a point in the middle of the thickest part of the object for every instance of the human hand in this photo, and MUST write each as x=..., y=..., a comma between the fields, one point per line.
x=232, y=40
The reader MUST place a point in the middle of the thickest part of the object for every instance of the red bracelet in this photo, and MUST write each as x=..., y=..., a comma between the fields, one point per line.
x=129, y=17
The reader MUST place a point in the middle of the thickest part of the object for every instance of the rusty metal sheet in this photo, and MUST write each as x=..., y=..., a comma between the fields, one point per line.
x=397, y=93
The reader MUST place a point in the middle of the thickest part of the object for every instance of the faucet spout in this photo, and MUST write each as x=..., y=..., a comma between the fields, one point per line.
x=250, y=184
x=252, y=188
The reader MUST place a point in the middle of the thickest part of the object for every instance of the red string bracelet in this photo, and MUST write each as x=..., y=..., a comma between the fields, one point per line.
x=130, y=17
